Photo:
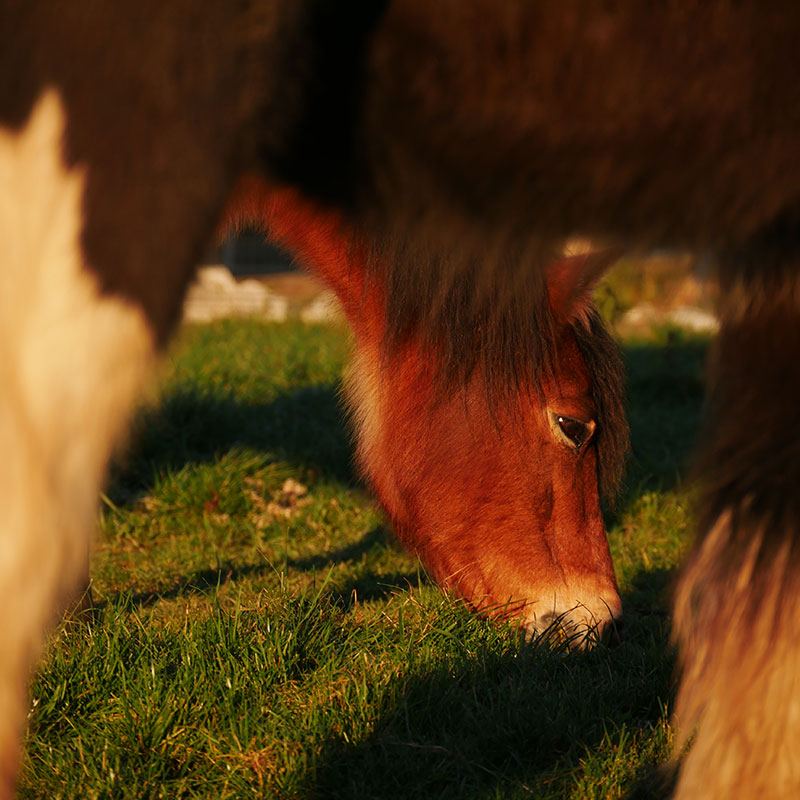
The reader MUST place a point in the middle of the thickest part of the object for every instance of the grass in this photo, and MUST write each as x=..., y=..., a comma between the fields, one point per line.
x=252, y=641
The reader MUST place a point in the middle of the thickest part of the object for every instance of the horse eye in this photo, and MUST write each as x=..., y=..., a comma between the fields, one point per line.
x=576, y=431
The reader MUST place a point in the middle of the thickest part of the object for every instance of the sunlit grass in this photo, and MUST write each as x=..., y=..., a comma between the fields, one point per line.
x=258, y=640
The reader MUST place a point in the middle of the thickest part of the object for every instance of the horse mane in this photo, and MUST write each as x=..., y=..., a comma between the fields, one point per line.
x=504, y=329
x=607, y=379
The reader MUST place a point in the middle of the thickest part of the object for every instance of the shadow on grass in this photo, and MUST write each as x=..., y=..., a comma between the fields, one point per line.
x=377, y=538
x=522, y=722
x=305, y=427
x=365, y=587
x=665, y=390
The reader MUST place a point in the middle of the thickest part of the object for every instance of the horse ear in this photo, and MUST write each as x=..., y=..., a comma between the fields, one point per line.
x=572, y=278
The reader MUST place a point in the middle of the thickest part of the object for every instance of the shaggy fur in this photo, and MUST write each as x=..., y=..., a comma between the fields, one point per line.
x=738, y=603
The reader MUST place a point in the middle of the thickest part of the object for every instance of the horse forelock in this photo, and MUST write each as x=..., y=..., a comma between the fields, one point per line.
x=480, y=307
x=484, y=310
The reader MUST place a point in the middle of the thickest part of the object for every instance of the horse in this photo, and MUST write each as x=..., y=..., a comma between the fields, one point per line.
x=499, y=501
x=465, y=142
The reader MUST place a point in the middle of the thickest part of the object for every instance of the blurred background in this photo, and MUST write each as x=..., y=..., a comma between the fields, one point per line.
x=247, y=276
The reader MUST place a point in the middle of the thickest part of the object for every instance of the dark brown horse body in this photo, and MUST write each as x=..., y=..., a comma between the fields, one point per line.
x=469, y=139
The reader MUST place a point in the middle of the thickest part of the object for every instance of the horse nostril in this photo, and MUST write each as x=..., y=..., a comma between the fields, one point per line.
x=560, y=629
x=579, y=633
x=549, y=619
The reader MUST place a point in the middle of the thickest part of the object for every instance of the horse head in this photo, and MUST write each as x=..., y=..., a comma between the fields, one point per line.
x=497, y=490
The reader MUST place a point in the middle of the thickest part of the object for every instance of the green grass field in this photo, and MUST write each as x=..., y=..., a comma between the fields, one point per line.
x=251, y=642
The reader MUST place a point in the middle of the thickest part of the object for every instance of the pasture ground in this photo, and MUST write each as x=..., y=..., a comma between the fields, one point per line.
x=252, y=640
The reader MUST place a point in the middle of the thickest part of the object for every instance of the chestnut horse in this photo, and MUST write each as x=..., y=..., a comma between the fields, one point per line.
x=500, y=500
x=465, y=140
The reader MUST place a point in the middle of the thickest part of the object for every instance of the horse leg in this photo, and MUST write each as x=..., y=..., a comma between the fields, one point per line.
x=737, y=611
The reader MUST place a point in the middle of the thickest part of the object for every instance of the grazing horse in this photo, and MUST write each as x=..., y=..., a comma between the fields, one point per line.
x=465, y=140
x=500, y=500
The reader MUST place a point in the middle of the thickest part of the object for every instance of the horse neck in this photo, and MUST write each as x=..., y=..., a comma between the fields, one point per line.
x=319, y=240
